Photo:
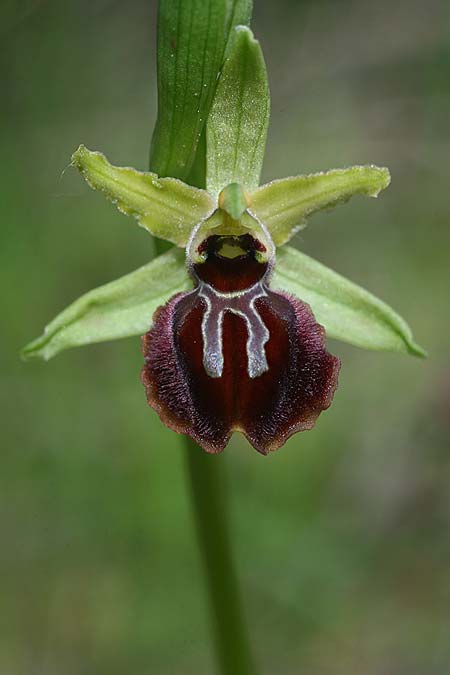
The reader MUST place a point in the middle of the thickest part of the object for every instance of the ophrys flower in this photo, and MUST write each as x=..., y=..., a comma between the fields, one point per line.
x=244, y=349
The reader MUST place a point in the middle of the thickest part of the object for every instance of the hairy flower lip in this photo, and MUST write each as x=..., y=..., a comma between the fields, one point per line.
x=260, y=367
x=180, y=413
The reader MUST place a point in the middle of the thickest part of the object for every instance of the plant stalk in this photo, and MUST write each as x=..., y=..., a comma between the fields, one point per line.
x=206, y=473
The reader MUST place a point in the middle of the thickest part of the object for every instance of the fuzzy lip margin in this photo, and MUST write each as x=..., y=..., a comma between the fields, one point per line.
x=268, y=408
x=179, y=412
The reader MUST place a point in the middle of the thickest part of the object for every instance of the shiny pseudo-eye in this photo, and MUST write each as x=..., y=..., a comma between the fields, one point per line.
x=229, y=282
x=234, y=355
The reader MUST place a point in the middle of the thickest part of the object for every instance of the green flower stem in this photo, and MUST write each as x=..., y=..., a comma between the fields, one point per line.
x=206, y=474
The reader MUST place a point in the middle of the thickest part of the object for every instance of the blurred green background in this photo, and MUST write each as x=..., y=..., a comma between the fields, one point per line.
x=342, y=537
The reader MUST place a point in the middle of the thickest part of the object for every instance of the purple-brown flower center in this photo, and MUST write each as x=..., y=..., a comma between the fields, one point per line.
x=231, y=280
x=233, y=355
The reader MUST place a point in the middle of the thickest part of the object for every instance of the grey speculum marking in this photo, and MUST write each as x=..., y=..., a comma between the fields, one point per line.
x=241, y=303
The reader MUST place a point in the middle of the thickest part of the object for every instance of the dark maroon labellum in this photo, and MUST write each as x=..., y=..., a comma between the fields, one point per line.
x=233, y=355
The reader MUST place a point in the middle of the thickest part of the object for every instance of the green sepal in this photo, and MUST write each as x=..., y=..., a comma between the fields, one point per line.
x=283, y=205
x=236, y=128
x=347, y=311
x=192, y=40
x=122, y=308
x=166, y=207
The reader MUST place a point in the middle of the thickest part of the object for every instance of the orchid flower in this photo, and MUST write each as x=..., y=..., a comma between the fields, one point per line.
x=233, y=319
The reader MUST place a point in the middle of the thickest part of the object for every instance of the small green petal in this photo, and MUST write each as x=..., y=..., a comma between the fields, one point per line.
x=166, y=207
x=347, y=311
x=116, y=310
x=236, y=129
x=233, y=200
x=283, y=205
